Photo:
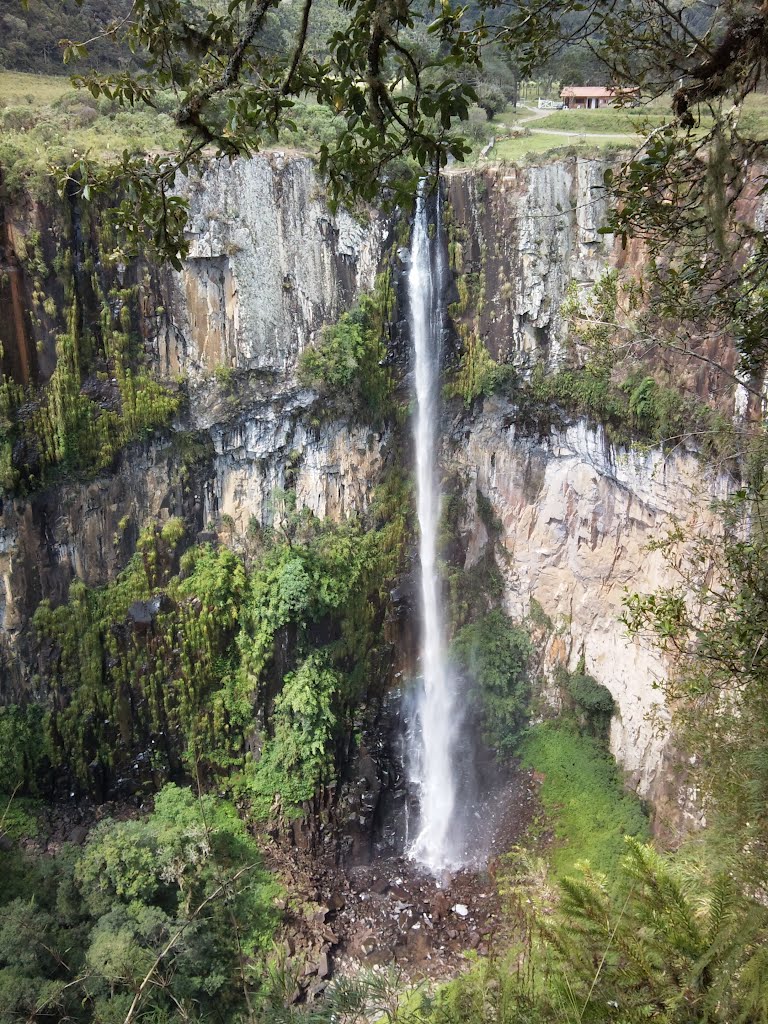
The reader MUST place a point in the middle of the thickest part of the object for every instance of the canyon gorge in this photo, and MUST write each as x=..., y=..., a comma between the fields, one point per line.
x=257, y=512
x=269, y=266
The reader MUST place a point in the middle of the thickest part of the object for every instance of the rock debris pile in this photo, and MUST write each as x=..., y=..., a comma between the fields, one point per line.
x=391, y=912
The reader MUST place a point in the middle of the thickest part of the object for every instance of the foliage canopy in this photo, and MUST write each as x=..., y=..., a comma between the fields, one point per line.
x=398, y=78
x=179, y=896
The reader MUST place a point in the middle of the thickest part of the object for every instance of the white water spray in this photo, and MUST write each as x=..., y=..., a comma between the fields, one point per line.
x=437, y=845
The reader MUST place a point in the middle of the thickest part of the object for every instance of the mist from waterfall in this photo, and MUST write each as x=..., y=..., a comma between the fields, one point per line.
x=432, y=737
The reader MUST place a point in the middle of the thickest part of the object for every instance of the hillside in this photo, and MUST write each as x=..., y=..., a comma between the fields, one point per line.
x=30, y=36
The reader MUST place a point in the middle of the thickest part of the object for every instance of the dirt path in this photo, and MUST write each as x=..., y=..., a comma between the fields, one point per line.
x=535, y=115
x=538, y=115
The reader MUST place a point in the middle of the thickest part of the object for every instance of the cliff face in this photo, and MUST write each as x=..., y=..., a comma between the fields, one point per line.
x=576, y=513
x=576, y=516
x=529, y=234
x=268, y=267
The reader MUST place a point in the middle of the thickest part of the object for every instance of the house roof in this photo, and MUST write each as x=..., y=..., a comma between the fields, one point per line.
x=588, y=92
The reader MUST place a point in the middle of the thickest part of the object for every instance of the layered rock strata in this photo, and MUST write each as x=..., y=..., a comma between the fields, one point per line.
x=269, y=266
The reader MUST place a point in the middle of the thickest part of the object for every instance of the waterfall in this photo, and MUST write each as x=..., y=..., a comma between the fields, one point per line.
x=433, y=734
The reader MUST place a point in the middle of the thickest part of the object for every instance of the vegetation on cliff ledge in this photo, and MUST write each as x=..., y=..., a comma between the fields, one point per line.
x=347, y=366
x=172, y=667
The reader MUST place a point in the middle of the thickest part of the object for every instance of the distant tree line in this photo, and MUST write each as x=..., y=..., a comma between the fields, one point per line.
x=30, y=37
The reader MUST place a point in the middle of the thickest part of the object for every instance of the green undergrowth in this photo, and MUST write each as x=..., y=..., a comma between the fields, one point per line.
x=586, y=807
x=656, y=940
x=43, y=135
x=18, y=815
x=495, y=655
x=183, y=886
x=172, y=667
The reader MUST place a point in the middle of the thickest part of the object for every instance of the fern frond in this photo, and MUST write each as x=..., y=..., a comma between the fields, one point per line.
x=722, y=904
x=663, y=900
x=753, y=985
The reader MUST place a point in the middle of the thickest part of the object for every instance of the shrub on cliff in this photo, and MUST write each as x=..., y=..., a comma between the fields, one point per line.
x=23, y=747
x=346, y=367
x=495, y=654
x=478, y=374
x=300, y=753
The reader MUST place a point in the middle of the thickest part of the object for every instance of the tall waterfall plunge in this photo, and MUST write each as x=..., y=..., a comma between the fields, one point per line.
x=433, y=733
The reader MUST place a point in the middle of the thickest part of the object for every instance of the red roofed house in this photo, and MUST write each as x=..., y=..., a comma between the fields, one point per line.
x=589, y=97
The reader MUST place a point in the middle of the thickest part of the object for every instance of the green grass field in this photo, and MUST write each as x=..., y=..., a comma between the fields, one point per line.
x=753, y=121
x=610, y=121
x=531, y=146
x=19, y=89
x=596, y=131
x=44, y=121
x=584, y=800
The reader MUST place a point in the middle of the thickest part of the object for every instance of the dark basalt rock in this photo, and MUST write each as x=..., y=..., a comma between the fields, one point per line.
x=144, y=613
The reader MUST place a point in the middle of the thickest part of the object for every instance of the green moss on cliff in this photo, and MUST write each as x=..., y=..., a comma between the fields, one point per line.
x=495, y=654
x=177, y=662
x=348, y=366
x=636, y=409
x=100, y=395
x=478, y=374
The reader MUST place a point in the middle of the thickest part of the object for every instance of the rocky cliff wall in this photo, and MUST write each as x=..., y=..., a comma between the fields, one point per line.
x=576, y=516
x=576, y=513
x=268, y=266
x=529, y=234
x=526, y=239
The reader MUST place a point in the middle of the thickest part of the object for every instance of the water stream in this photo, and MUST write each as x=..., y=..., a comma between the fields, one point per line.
x=437, y=844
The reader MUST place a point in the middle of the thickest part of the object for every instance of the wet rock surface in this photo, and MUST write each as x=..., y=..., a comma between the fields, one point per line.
x=341, y=919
